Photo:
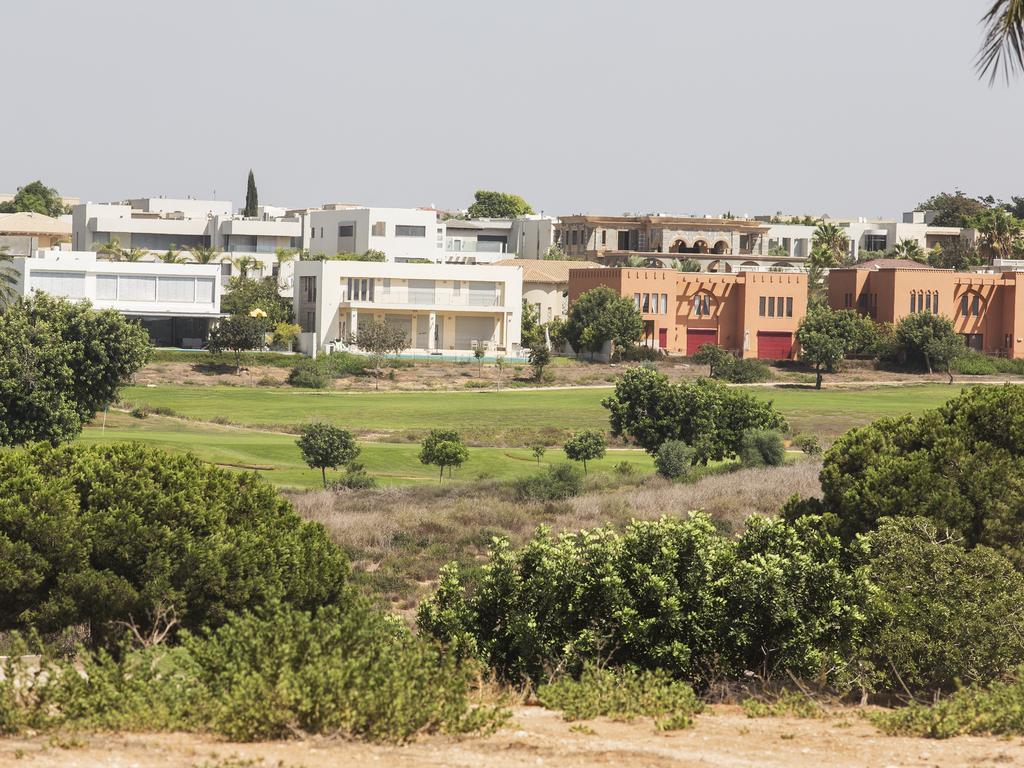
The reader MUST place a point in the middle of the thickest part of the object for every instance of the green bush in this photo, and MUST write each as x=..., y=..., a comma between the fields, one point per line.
x=674, y=459
x=307, y=373
x=997, y=709
x=786, y=704
x=623, y=694
x=762, y=448
x=669, y=594
x=94, y=535
x=356, y=478
x=556, y=482
x=939, y=615
x=973, y=363
x=746, y=371
x=809, y=444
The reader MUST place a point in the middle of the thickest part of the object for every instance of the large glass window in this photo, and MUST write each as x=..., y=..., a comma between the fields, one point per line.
x=380, y=229
x=409, y=230
x=177, y=289
x=346, y=230
x=646, y=307
x=204, y=290
x=421, y=292
x=771, y=306
x=483, y=294
x=68, y=284
x=789, y=306
x=664, y=303
x=136, y=288
x=761, y=305
x=106, y=287
x=875, y=242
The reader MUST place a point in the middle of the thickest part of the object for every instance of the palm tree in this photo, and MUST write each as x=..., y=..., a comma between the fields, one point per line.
x=112, y=249
x=830, y=239
x=9, y=278
x=686, y=265
x=204, y=254
x=909, y=249
x=172, y=256
x=285, y=255
x=1003, y=45
x=1000, y=231
x=244, y=264
x=134, y=254
x=635, y=262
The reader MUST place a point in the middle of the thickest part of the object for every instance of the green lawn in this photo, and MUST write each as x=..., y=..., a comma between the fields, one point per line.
x=491, y=415
x=276, y=456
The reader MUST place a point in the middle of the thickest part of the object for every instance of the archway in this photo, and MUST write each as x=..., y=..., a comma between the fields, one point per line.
x=722, y=247
x=700, y=246
x=714, y=266
x=679, y=246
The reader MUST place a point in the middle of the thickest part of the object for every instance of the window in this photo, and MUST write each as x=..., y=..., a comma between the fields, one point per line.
x=702, y=305
x=483, y=294
x=976, y=305
x=385, y=287
x=913, y=306
x=928, y=302
x=789, y=306
x=963, y=305
x=133, y=288
x=410, y=230
x=875, y=242
x=380, y=229
x=106, y=287
x=636, y=300
x=321, y=231
x=761, y=306
x=457, y=288
x=204, y=290
x=360, y=288
x=935, y=302
x=847, y=300
x=225, y=269
x=647, y=303
x=307, y=288
x=421, y=291
x=771, y=306
x=575, y=234
x=346, y=230
x=177, y=289
x=664, y=303
x=604, y=237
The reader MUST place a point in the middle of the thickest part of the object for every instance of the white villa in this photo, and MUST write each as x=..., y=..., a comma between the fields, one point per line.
x=446, y=309
x=175, y=303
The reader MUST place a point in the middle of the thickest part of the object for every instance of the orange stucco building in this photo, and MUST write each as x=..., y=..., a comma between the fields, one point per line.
x=754, y=314
x=985, y=307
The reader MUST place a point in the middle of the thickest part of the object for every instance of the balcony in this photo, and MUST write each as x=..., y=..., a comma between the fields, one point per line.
x=457, y=245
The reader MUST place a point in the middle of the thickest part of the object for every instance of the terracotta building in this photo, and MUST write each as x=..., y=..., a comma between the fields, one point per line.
x=754, y=314
x=984, y=307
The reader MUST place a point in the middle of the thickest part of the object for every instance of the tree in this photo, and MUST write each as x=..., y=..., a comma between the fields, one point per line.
x=555, y=253
x=9, y=278
x=943, y=349
x=600, y=315
x=926, y=338
x=713, y=356
x=708, y=415
x=245, y=264
x=958, y=255
x=133, y=254
x=36, y=197
x=111, y=249
x=443, y=448
x=688, y=264
x=379, y=341
x=819, y=262
x=498, y=205
x=908, y=248
x=1000, y=232
x=324, y=445
x=252, y=200
x=62, y=363
x=826, y=336
x=238, y=334
x=478, y=354
x=204, y=254
x=532, y=334
x=830, y=239
x=171, y=256
x=244, y=295
x=95, y=535
x=538, y=452
x=540, y=357
x=762, y=447
x=585, y=446
x=499, y=366
x=1003, y=45
x=953, y=209
x=673, y=459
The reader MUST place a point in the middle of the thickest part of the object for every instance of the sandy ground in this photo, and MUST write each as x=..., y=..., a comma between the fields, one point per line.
x=722, y=738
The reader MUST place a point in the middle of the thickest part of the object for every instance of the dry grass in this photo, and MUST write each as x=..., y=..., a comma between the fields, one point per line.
x=398, y=538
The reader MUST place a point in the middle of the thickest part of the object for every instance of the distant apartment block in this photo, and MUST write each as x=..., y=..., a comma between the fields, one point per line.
x=753, y=314
x=23, y=233
x=402, y=234
x=175, y=303
x=445, y=309
x=986, y=307
x=476, y=241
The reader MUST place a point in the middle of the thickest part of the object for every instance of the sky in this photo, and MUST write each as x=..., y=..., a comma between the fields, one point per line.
x=598, y=106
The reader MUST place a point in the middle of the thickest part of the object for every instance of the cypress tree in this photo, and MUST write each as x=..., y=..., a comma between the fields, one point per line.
x=252, y=200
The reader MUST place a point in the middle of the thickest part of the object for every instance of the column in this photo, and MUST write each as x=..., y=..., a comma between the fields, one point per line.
x=431, y=330
x=499, y=328
x=353, y=323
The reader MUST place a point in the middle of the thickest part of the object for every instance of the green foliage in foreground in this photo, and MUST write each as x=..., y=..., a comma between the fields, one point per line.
x=623, y=694
x=274, y=674
x=669, y=594
x=997, y=709
x=786, y=704
x=92, y=536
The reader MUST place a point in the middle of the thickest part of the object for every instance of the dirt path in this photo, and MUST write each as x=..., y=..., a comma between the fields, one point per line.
x=722, y=738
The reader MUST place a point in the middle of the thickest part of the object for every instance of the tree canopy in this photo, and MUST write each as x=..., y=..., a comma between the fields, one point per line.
x=238, y=334
x=36, y=197
x=585, y=446
x=927, y=339
x=498, y=205
x=245, y=294
x=62, y=362
x=827, y=335
x=443, y=448
x=601, y=315
x=325, y=445
x=252, y=198
x=379, y=340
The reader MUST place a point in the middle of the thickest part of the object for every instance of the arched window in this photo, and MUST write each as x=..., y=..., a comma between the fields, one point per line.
x=913, y=302
x=702, y=305
x=935, y=301
x=928, y=302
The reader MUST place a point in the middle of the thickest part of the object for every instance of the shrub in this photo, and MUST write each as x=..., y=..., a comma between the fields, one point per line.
x=919, y=583
x=786, y=704
x=747, y=371
x=307, y=373
x=356, y=478
x=639, y=353
x=556, y=482
x=623, y=694
x=670, y=595
x=625, y=469
x=809, y=444
x=674, y=459
x=762, y=447
x=973, y=363
x=94, y=535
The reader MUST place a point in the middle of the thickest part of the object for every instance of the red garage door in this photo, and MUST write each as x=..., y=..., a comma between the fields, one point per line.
x=774, y=345
x=697, y=336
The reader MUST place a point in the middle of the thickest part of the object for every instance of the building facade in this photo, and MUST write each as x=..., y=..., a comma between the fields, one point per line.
x=476, y=241
x=752, y=314
x=546, y=284
x=530, y=237
x=401, y=234
x=985, y=307
x=22, y=234
x=175, y=303
x=445, y=309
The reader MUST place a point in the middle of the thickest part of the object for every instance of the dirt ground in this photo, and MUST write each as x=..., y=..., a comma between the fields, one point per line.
x=438, y=376
x=723, y=737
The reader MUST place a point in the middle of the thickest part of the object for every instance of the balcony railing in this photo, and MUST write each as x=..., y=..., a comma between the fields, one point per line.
x=475, y=246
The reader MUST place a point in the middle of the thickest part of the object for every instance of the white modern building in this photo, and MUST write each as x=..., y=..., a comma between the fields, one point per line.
x=476, y=241
x=175, y=303
x=446, y=309
x=531, y=236
x=162, y=224
x=401, y=234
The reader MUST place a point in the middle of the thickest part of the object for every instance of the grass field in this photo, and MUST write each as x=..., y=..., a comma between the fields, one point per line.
x=488, y=416
x=276, y=456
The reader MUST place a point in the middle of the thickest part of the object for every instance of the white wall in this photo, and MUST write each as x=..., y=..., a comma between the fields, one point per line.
x=324, y=232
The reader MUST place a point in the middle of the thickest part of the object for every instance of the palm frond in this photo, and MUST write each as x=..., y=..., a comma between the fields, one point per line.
x=1002, y=50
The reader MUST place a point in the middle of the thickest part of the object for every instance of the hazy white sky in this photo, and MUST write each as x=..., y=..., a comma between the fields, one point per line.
x=812, y=106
